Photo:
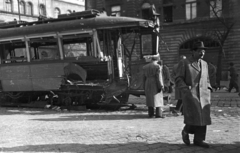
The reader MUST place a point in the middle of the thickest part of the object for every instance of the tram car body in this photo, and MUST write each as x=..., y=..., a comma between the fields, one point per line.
x=80, y=58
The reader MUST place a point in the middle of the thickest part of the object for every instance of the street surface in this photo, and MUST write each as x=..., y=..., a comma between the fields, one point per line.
x=25, y=130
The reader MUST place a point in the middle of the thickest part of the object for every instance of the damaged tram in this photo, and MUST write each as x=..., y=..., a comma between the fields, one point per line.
x=78, y=59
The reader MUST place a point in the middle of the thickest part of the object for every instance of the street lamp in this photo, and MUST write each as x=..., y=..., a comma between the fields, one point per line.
x=9, y=2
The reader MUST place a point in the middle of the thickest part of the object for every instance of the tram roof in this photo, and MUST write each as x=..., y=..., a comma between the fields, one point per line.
x=51, y=26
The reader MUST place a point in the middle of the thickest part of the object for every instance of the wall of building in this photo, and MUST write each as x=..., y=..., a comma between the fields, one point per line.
x=66, y=6
x=180, y=30
x=50, y=5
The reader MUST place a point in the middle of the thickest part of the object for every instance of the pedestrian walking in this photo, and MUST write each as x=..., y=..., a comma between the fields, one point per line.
x=153, y=86
x=178, y=107
x=193, y=81
x=234, y=78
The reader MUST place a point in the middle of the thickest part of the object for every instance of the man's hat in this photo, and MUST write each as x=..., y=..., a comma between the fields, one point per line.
x=198, y=45
x=156, y=57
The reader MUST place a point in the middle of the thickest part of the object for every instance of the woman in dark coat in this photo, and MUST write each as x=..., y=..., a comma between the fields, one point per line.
x=153, y=86
x=193, y=80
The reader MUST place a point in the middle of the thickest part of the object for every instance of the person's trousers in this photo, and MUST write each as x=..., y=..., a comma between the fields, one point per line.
x=233, y=84
x=198, y=131
x=151, y=111
x=179, y=106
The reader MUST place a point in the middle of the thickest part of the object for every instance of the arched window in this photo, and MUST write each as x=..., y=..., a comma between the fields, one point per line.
x=29, y=9
x=42, y=10
x=9, y=5
x=57, y=12
x=208, y=42
x=22, y=7
x=146, y=11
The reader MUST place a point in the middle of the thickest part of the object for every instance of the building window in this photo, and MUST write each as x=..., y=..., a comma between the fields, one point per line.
x=191, y=9
x=215, y=8
x=29, y=9
x=146, y=9
x=42, y=10
x=116, y=10
x=168, y=10
x=22, y=7
x=57, y=12
x=9, y=5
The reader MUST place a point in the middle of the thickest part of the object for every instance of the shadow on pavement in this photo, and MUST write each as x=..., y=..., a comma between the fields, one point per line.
x=43, y=111
x=98, y=117
x=124, y=147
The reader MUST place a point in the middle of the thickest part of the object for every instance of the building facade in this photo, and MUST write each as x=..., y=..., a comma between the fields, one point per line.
x=185, y=21
x=30, y=10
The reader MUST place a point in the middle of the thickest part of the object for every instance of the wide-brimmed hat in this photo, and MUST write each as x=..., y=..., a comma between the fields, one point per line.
x=154, y=12
x=199, y=45
x=156, y=57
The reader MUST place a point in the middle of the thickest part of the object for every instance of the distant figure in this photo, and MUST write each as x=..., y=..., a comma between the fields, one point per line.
x=177, y=91
x=193, y=81
x=166, y=81
x=234, y=78
x=166, y=77
x=153, y=87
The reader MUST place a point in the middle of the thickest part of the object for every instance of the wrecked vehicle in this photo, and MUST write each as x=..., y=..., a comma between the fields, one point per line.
x=77, y=59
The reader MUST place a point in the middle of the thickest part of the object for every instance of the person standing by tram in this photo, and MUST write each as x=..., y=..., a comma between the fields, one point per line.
x=234, y=78
x=153, y=86
x=192, y=79
x=178, y=107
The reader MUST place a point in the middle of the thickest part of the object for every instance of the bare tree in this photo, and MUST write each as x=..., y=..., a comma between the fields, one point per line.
x=220, y=28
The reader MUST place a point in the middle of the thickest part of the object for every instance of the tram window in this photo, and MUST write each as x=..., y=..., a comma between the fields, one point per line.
x=13, y=52
x=44, y=48
x=77, y=46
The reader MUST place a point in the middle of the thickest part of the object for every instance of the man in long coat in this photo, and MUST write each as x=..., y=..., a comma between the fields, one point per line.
x=193, y=81
x=153, y=86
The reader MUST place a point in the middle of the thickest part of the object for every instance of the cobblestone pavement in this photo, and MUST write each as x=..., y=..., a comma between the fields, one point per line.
x=124, y=131
x=219, y=98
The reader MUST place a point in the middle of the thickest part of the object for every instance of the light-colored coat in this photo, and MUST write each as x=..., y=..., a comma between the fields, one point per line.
x=153, y=84
x=195, y=89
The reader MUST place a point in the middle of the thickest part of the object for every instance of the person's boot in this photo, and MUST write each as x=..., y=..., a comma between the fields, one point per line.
x=159, y=113
x=201, y=144
x=150, y=112
x=185, y=138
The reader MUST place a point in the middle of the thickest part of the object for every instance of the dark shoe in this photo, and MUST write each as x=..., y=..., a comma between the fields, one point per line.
x=160, y=116
x=201, y=144
x=176, y=112
x=185, y=138
x=150, y=116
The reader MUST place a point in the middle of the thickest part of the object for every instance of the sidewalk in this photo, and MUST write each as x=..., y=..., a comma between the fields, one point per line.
x=129, y=131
